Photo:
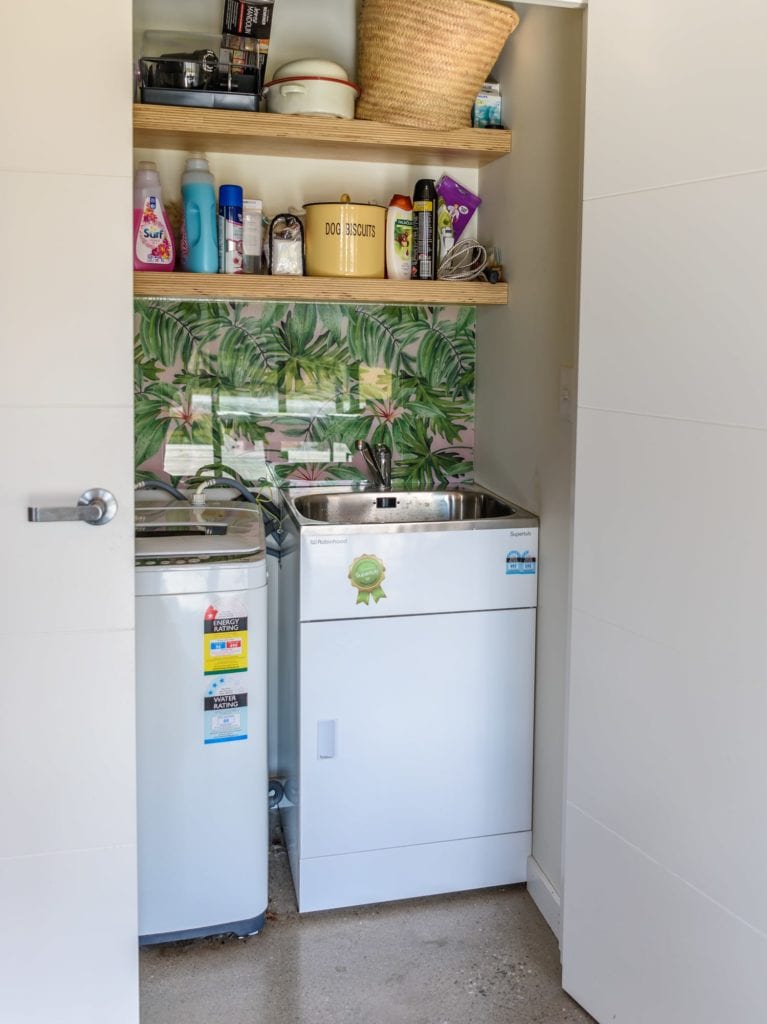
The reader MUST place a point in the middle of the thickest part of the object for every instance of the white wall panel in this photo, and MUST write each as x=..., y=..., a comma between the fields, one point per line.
x=669, y=536
x=68, y=83
x=678, y=958
x=693, y=812
x=676, y=92
x=675, y=302
x=66, y=224
x=664, y=914
x=80, y=755
x=67, y=944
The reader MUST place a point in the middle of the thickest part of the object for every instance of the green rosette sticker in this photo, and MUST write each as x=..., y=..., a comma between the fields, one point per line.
x=366, y=576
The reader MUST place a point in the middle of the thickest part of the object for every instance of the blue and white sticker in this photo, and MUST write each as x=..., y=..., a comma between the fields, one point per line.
x=226, y=713
x=520, y=563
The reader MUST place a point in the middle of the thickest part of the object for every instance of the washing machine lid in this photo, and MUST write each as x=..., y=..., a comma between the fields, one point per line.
x=216, y=532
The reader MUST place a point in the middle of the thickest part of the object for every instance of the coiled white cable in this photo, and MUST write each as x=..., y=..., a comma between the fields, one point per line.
x=465, y=261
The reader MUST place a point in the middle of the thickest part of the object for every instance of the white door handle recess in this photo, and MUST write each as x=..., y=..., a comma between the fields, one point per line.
x=326, y=739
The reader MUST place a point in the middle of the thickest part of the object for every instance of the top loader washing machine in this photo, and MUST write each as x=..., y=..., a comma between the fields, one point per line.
x=201, y=720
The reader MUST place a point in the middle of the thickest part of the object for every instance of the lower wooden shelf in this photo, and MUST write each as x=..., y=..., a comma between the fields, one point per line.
x=257, y=288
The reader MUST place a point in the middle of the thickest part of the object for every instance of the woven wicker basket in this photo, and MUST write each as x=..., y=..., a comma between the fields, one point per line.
x=422, y=62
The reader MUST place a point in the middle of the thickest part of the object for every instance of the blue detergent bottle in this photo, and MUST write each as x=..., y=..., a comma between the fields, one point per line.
x=199, y=233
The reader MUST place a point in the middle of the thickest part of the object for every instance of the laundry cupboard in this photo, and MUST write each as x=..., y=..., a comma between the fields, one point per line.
x=526, y=341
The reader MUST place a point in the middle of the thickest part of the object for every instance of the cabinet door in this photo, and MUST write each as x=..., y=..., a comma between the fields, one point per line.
x=67, y=725
x=415, y=729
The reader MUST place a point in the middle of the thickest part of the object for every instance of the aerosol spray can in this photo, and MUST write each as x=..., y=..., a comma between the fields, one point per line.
x=230, y=229
x=425, y=249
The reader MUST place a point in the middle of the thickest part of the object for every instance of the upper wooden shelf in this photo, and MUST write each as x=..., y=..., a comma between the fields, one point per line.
x=229, y=131
x=258, y=288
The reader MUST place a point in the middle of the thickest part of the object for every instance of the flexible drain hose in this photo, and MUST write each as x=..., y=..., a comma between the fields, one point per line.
x=160, y=485
x=222, y=481
x=270, y=511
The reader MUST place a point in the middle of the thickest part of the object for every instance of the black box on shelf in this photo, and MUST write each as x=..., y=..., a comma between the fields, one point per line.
x=246, y=18
x=246, y=30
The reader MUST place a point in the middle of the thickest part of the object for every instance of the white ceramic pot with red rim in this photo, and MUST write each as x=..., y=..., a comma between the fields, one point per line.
x=317, y=87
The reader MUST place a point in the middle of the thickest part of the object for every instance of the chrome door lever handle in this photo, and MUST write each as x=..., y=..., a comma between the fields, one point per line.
x=95, y=507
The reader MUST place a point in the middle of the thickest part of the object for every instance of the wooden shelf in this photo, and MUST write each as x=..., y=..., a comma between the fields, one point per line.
x=257, y=288
x=229, y=131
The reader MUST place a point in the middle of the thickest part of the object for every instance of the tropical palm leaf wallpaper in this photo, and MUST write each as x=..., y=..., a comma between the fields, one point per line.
x=282, y=391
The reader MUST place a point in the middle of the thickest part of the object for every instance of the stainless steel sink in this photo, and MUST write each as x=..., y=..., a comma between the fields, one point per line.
x=375, y=508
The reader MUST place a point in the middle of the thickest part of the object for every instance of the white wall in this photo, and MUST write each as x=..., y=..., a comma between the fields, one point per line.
x=665, y=913
x=524, y=447
x=285, y=184
x=301, y=28
x=68, y=949
x=317, y=28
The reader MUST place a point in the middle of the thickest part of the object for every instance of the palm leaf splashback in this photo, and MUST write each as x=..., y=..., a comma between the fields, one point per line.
x=284, y=390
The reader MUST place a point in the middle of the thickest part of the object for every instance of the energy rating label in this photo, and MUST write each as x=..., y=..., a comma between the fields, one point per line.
x=520, y=563
x=225, y=640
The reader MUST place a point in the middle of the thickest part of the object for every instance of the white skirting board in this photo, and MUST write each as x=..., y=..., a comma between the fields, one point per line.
x=375, y=876
x=544, y=896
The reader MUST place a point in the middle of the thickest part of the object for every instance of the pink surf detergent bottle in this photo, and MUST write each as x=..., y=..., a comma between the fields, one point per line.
x=153, y=245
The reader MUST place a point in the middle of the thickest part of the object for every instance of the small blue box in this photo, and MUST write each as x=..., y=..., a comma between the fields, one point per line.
x=487, y=107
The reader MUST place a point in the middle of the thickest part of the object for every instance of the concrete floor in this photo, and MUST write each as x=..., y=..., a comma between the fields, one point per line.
x=469, y=958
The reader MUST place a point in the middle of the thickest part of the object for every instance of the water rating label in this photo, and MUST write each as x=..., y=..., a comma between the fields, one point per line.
x=226, y=713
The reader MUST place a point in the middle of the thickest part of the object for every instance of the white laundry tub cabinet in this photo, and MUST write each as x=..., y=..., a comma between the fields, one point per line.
x=407, y=633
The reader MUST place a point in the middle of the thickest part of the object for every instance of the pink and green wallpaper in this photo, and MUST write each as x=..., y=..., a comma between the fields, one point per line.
x=282, y=391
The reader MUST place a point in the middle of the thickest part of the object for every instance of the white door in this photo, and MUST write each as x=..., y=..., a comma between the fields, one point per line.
x=416, y=767
x=431, y=745
x=665, y=901
x=67, y=793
